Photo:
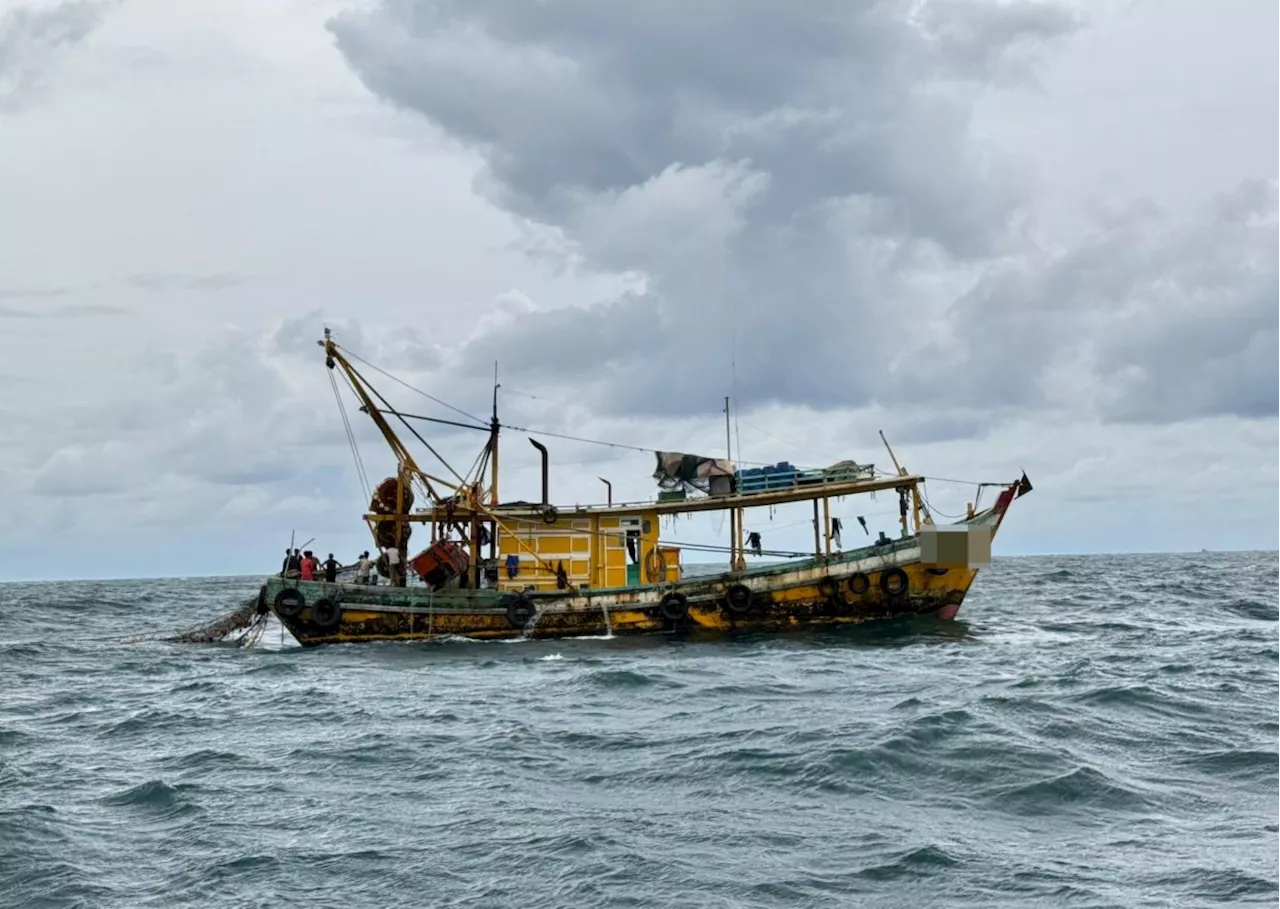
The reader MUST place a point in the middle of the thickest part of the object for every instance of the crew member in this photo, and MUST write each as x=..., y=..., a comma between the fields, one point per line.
x=394, y=568
x=331, y=567
x=308, y=566
x=364, y=567
x=293, y=564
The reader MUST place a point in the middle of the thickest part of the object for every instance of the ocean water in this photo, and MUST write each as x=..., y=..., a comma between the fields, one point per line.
x=1092, y=731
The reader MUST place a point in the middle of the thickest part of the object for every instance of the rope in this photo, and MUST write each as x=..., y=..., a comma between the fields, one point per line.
x=559, y=435
x=929, y=506
x=429, y=397
x=961, y=482
x=255, y=632
x=525, y=394
x=527, y=431
x=351, y=436
x=791, y=442
x=415, y=432
x=568, y=438
x=478, y=465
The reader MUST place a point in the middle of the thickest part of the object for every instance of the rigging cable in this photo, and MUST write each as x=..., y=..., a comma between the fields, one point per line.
x=929, y=507
x=711, y=547
x=962, y=482
x=364, y=473
x=792, y=442
x=479, y=464
x=429, y=397
x=568, y=438
x=527, y=431
x=351, y=433
x=351, y=438
x=416, y=434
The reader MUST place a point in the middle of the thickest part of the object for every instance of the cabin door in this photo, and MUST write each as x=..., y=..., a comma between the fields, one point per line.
x=631, y=531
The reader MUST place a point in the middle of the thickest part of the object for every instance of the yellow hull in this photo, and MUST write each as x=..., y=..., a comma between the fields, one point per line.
x=890, y=583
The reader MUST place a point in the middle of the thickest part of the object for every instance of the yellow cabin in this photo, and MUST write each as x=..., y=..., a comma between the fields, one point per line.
x=595, y=552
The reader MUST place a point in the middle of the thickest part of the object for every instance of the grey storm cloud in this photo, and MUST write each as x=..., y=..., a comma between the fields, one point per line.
x=785, y=177
x=1170, y=319
x=31, y=38
x=801, y=191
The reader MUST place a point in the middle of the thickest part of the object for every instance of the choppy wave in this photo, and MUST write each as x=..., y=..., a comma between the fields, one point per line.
x=1091, y=732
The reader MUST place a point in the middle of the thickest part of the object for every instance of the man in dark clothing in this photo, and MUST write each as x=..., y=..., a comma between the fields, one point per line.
x=331, y=567
x=293, y=565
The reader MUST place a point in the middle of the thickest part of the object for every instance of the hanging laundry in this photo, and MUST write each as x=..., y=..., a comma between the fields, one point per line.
x=835, y=531
x=513, y=565
x=753, y=540
x=863, y=522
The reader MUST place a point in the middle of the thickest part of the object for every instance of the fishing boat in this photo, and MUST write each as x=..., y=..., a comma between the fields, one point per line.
x=491, y=569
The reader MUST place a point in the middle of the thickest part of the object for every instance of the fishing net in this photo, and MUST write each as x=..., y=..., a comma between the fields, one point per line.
x=245, y=617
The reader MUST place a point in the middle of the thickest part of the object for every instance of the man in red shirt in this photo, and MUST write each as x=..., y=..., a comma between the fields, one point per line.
x=308, y=566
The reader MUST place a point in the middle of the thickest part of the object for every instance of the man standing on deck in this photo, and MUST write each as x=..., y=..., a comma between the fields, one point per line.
x=364, y=567
x=293, y=564
x=331, y=567
x=308, y=566
x=393, y=567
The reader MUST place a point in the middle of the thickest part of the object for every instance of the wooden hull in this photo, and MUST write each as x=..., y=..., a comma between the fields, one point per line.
x=862, y=586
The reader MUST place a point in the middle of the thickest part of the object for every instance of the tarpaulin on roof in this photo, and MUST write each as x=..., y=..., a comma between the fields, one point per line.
x=676, y=468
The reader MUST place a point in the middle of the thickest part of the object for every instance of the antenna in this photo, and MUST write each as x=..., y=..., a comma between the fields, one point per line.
x=496, y=386
x=728, y=436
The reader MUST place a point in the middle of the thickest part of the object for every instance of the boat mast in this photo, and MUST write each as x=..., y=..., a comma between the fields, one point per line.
x=494, y=425
x=733, y=512
x=914, y=487
x=494, y=428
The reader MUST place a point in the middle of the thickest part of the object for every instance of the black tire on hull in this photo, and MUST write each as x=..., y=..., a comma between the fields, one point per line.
x=520, y=610
x=894, y=582
x=289, y=602
x=859, y=583
x=326, y=613
x=828, y=587
x=674, y=607
x=738, y=599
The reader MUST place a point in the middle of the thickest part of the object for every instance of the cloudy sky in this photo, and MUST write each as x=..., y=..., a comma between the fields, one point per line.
x=1013, y=235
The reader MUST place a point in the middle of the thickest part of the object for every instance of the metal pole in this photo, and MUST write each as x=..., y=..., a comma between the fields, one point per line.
x=733, y=512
